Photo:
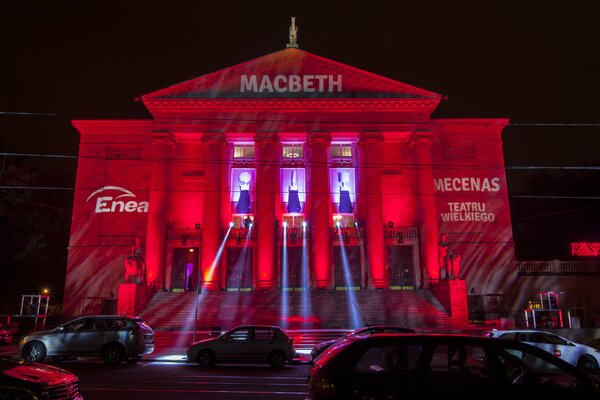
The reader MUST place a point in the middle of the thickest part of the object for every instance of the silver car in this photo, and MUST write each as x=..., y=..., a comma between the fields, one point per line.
x=583, y=357
x=245, y=344
x=114, y=338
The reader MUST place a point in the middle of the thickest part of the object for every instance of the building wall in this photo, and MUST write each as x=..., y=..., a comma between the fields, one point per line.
x=175, y=174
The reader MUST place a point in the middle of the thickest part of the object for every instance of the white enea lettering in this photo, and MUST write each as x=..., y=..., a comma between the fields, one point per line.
x=291, y=83
x=466, y=184
x=108, y=204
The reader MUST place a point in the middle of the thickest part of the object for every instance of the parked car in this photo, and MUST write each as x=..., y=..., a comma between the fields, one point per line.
x=5, y=336
x=114, y=338
x=365, y=331
x=23, y=381
x=443, y=366
x=580, y=355
x=256, y=343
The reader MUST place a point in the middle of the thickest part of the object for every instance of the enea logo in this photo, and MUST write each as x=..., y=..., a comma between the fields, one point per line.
x=109, y=204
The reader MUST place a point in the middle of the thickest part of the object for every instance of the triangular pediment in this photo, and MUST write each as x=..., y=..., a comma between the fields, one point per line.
x=290, y=73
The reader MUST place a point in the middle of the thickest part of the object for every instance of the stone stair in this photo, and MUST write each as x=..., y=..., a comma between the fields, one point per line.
x=417, y=309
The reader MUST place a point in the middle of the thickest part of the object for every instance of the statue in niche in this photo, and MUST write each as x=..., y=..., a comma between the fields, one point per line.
x=444, y=257
x=344, y=188
x=293, y=204
x=243, y=204
x=135, y=264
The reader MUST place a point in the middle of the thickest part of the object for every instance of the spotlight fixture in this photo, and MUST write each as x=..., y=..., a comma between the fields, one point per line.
x=284, y=224
x=250, y=225
x=356, y=224
x=303, y=224
x=197, y=226
x=231, y=224
x=338, y=224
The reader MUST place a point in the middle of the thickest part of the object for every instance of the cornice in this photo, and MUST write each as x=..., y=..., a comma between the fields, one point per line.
x=289, y=104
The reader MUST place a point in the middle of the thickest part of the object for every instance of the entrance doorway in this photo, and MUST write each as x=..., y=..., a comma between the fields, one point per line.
x=401, y=269
x=239, y=268
x=185, y=268
x=294, y=268
x=353, y=254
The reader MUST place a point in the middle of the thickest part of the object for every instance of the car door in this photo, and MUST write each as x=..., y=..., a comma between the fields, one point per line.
x=385, y=370
x=264, y=340
x=72, y=341
x=560, y=347
x=98, y=335
x=233, y=346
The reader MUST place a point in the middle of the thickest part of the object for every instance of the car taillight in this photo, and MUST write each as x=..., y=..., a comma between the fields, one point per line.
x=557, y=352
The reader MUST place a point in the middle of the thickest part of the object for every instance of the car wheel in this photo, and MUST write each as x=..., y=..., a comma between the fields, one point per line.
x=112, y=354
x=34, y=351
x=276, y=359
x=587, y=363
x=133, y=360
x=206, y=358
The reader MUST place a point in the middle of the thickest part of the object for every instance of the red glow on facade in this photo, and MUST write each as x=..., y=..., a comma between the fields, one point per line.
x=369, y=153
x=585, y=249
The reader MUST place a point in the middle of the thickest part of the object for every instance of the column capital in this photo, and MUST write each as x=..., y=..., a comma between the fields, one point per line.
x=162, y=137
x=316, y=137
x=422, y=137
x=213, y=137
x=266, y=137
x=370, y=137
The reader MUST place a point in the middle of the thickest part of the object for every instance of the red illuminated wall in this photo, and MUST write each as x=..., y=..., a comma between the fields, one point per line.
x=179, y=164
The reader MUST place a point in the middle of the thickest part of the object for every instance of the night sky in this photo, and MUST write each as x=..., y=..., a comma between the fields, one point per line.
x=535, y=62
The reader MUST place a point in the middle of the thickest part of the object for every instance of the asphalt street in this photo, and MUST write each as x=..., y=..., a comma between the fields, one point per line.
x=176, y=380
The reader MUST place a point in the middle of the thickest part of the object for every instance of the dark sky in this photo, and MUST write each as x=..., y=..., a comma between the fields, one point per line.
x=535, y=62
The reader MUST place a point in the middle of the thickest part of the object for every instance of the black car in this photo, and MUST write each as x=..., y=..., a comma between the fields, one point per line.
x=444, y=366
x=365, y=331
x=32, y=381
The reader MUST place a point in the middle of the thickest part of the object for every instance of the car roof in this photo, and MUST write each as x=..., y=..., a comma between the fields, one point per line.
x=391, y=339
x=384, y=327
x=258, y=326
x=520, y=331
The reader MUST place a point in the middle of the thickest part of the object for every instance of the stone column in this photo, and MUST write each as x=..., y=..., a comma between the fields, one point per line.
x=267, y=173
x=370, y=146
x=161, y=145
x=319, y=201
x=212, y=230
x=427, y=208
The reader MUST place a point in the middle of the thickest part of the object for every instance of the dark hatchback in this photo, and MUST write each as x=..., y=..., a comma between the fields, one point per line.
x=32, y=381
x=365, y=331
x=443, y=366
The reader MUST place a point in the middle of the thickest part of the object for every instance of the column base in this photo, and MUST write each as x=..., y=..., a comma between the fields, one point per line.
x=265, y=285
x=379, y=284
x=322, y=285
x=211, y=286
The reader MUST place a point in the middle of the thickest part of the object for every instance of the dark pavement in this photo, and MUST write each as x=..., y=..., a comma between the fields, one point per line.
x=162, y=380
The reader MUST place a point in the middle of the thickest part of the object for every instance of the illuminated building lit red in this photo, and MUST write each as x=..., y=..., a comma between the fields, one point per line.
x=289, y=137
